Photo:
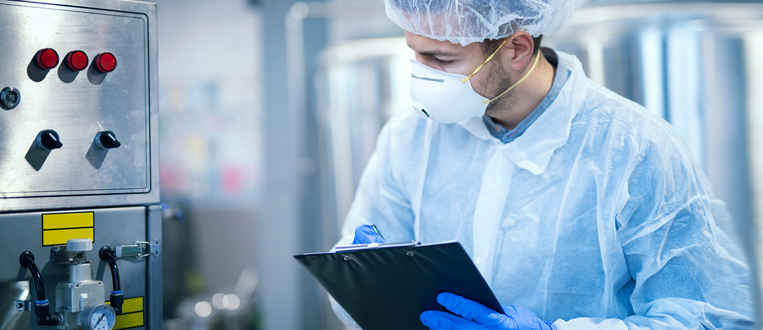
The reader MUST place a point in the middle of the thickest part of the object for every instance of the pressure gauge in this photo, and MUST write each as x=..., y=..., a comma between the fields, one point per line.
x=102, y=317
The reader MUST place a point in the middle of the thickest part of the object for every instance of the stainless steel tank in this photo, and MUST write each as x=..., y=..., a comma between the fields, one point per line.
x=79, y=155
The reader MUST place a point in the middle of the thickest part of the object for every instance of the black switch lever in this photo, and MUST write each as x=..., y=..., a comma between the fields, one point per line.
x=48, y=139
x=107, y=140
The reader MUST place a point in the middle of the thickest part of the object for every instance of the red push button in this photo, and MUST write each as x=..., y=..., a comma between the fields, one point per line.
x=106, y=62
x=76, y=60
x=46, y=58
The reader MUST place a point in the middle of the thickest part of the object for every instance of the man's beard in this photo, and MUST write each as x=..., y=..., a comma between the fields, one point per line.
x=501, y=80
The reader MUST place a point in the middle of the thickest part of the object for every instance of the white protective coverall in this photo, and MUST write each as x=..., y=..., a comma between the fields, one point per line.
x=597, y=217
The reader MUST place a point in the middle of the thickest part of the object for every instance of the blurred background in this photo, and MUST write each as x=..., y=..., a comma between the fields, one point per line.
x=269, y=110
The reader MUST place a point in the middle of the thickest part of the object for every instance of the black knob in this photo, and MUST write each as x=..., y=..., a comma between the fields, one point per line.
x=10, y=97
x=107, y=140
x=48, y=139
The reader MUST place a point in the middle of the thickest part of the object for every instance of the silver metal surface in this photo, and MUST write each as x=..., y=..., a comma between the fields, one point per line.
x=13, y=316
x=74, y=298
x=59, y=255
x=154, y=301
x=113, y=227
x=128, y=251
x=79, y=105
x=80, y=272
x=117, y=185
x=9, y=98
x=138, y=250
x=22, y=305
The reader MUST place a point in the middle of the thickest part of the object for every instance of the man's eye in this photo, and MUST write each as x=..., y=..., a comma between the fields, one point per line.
x=442, y=62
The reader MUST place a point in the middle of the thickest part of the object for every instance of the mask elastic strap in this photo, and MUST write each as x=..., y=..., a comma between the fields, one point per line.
x=483, y=63
x=518, y=82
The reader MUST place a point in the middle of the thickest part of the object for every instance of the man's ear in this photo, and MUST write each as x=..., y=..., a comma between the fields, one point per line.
x=521, y=45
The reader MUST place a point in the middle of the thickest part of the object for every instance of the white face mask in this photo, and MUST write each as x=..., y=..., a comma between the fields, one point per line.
x=449, y=97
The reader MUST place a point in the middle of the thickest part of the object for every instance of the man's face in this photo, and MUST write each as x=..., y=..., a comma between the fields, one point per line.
x=445, y=56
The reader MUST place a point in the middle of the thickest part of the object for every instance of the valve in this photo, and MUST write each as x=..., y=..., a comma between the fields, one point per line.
x=79, y=300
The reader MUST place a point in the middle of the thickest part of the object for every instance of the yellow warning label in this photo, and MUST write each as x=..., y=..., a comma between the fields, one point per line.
x=132, y=314
x=60, y=236
x=131, y=320
x=67, y=220
x=59, y=228
x=132, y=305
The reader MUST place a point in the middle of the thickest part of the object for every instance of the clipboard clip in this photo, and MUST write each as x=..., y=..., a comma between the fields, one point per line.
x=343, y=248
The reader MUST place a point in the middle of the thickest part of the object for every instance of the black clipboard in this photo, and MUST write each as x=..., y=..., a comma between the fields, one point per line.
x=388, y=286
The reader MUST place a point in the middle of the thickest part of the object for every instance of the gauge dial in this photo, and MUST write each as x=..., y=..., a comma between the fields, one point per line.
x=102, y=317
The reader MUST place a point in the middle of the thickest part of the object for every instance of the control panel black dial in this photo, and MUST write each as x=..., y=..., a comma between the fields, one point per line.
x=107, y=140
x=49, y=139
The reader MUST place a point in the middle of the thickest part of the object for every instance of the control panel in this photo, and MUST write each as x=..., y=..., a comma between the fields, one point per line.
x=76, y=114
x=80, y=220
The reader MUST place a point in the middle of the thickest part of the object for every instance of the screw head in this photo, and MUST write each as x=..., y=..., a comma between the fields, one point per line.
x=10, y=97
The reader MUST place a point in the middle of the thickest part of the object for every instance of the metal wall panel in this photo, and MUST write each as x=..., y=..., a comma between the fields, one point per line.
x=77, y=105
x=118, y=186
x=113, y=226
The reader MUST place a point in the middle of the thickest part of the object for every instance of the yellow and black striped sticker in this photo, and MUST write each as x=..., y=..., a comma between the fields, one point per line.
x=61, y=227
x=132, y=314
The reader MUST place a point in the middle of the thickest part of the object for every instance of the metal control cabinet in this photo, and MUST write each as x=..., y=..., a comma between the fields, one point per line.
x=116, y=188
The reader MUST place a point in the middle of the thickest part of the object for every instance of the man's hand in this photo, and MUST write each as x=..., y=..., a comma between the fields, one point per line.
x=366, y=234
x=474, y=316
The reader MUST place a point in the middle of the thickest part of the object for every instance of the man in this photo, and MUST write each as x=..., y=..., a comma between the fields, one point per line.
x=578, y=206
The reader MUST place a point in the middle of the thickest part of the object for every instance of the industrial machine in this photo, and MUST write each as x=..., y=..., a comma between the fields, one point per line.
x=80, y=221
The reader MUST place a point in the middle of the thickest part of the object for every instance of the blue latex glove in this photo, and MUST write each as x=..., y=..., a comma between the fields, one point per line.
x=366, y=234
x=474, y=316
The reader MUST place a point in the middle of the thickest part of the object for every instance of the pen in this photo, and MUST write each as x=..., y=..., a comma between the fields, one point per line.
x=378, y=232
